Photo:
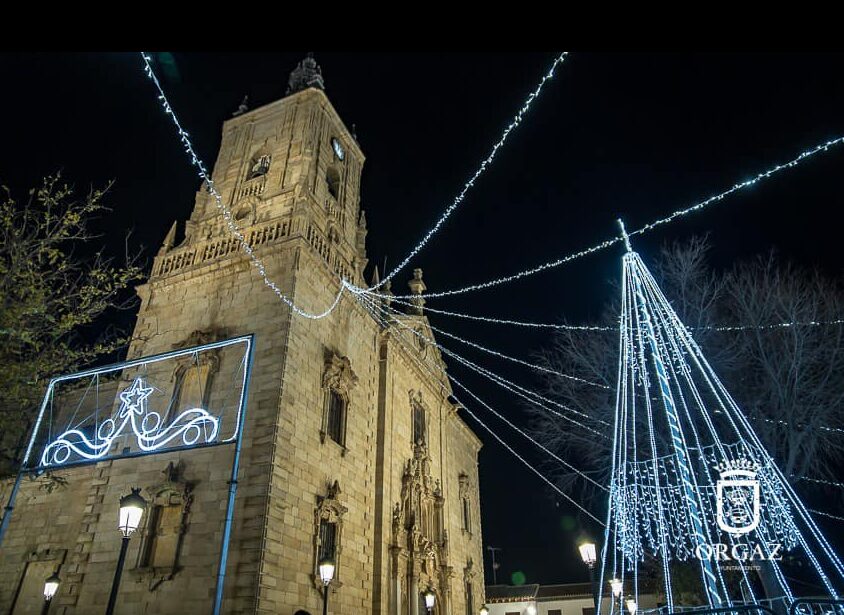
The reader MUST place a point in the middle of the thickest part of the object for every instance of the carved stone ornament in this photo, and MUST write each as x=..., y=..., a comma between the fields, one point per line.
x=338, y=373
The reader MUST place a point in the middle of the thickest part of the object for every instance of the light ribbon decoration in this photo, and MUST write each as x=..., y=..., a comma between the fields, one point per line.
x=191, y=426
x=694, y=482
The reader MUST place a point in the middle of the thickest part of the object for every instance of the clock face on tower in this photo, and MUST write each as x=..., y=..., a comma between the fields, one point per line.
x=338, y=149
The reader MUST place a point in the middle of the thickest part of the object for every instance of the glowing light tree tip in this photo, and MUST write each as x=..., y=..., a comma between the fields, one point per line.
x=624, y=235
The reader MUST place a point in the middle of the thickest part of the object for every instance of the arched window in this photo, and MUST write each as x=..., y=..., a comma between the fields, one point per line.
x=335, y=417
x=418, y=425
x=465, y=493
x=332, y=179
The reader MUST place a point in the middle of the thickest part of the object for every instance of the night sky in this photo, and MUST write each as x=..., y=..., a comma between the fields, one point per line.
x=631, y=135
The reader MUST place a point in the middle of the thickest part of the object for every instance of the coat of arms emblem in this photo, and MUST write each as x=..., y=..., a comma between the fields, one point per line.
x=737, y=497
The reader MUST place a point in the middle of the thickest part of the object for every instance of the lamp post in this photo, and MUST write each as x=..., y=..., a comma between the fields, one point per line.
x=430, y=599
x=484, y=610
x=589, y=556
x=326, y=573
x=631, y=606
x=132, y=508
x=51, y=586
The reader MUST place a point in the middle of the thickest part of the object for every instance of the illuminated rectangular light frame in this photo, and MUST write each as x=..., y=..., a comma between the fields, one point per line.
x=246, y=340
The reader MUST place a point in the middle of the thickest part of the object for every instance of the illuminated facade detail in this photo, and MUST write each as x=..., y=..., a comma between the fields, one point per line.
x=191, y=426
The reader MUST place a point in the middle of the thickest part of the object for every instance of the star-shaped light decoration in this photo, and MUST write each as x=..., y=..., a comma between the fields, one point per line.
x=134, y=397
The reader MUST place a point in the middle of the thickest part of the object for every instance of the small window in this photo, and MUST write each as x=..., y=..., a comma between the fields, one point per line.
x=327, y=541
x=467, y=515
x=470, y=601
x=589, y=610
x=332, y=179
x=260, y=166
x=418, y=425
x=555, y=612
x=336, y=417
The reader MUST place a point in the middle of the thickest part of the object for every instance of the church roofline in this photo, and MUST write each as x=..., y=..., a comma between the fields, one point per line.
x=312, y=91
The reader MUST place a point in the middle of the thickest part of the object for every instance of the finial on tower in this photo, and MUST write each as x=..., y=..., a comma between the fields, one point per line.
x=243, y=107
x=625, y=236
x=307, y=74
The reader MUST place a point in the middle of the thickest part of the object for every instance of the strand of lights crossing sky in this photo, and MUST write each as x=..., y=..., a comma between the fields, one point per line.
x=826, y=514
x=410, y=352
x=344, y=284
x=805, y=155
x=533, y=366
x=526, y=394
x=567, y=327
x=820, y=481
x=226, y=213
x=487, y=161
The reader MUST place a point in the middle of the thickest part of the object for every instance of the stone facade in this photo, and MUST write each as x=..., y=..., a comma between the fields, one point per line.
x=402, y=498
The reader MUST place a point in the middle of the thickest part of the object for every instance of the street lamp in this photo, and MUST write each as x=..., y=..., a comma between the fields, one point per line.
x=326, y=573
x=631, y=606
x=430, y=599
x=531, y=610
x=484, y=610
x=51, y=586
x=589, y=556
x=132, y=508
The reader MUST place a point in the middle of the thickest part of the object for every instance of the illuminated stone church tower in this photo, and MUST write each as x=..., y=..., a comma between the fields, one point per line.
x=353, y=447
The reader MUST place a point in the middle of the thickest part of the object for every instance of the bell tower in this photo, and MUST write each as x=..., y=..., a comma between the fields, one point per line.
x=292, y=160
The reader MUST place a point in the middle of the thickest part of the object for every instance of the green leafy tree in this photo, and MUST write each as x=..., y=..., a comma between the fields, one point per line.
x=57, y=292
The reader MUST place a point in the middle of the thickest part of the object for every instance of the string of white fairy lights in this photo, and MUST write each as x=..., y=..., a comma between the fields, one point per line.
x=196, y=161
x=534, y=366
x=823, y=147
x=378, y=314
x=568, y=327
x=486, y=162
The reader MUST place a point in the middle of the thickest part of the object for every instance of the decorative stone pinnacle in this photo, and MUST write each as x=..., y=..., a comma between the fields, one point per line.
x=307, y=74
x=417, y=287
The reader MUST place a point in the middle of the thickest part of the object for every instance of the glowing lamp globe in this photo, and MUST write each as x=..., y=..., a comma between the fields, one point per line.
x=326, y=570
x=430, y=599
x=631, y=606
x=531, y=610
x=484, y=610
x=617, y=587
x=132, y=508
x=51, y=586
x=587, y=553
